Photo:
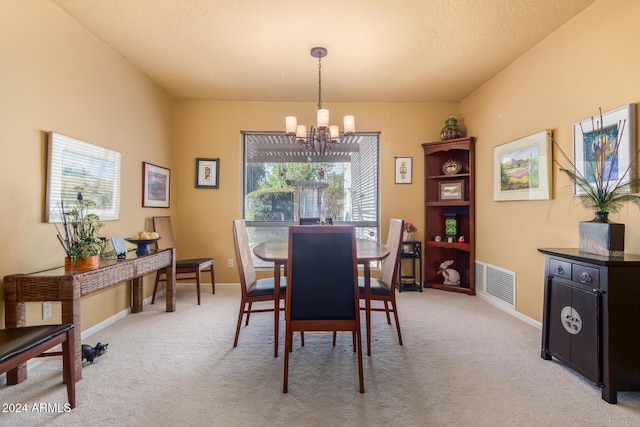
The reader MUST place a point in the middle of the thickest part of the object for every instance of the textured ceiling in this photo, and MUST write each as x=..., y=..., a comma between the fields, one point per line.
x=379, y=50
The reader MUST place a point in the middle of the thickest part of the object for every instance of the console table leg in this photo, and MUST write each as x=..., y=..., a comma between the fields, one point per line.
x=136, y=286
x=15, y=317
x=71, y=314
x=171, y=283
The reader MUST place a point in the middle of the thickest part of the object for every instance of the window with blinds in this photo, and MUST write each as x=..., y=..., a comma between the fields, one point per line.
x=283, y=182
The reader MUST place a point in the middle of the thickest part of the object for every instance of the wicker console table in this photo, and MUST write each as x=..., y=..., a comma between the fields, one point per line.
x=70, y=287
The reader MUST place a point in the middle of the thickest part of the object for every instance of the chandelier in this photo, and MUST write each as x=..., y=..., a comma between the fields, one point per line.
x=322, y=137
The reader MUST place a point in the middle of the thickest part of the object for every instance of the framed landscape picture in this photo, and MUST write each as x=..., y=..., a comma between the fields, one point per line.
x=452, y=190
x=72, y=165
x=155, y=186
x=521, y=168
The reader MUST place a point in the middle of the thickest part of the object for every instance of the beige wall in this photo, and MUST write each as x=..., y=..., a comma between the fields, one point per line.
x=56, y=76
x=212, y=129
x=590, y=62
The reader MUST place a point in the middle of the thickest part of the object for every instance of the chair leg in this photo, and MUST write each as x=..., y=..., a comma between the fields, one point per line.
x=386, y=310
x=68, y=369
x=288, y=347
x=242, y=304
x=395, y=316
x=248, y=314
x=213, y=280
x=335, y=334
x=302, y=338
x=198, y=284
x=358, y=334
x=155, y=286
x=353, y=338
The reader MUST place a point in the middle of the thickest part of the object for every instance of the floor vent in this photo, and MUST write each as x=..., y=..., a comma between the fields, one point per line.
x=496, y=282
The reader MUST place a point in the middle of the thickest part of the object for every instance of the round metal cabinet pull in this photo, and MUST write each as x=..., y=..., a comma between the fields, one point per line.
x=559, y=269
x=585, y=277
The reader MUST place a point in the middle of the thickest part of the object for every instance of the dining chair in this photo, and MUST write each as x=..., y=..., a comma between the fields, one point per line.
x=322, y=292
x=315, y=221
x=186, y=269
x=253, y=289
x=384, y=288
x=18, y=345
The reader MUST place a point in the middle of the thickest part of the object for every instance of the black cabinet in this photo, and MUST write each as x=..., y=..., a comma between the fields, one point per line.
x=411, y=253
x=589, y=321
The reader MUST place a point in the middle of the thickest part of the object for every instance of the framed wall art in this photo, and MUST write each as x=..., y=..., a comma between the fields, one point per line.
x=522, y=168
x=451, y=190
x=614, y=132
x=71, y=164
x=207, y=173
x=403, y=170
x=155, y=186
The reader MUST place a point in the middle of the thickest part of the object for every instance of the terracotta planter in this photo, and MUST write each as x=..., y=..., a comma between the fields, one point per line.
x=82, y=264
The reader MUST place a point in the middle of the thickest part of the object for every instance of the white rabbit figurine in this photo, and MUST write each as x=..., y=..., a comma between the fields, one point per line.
x=451, y=276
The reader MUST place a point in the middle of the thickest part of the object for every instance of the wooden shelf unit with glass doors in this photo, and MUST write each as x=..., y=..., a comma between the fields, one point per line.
x=449, y=195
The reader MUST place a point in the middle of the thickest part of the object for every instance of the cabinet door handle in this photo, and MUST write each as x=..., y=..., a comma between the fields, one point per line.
x=559, y=270
x=585, y=277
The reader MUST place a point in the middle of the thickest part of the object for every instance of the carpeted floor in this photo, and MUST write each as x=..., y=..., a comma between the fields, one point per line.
x=463, y=363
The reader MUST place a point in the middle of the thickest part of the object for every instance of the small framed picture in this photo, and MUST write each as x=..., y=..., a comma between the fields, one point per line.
x=155, y=186
x=207, y=173
x=452, y=190
x=403, y=170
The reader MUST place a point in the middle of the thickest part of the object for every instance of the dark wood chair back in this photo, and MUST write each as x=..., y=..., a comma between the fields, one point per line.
x=322, y=293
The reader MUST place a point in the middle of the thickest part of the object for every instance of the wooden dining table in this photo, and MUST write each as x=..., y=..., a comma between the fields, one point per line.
x=277, y=251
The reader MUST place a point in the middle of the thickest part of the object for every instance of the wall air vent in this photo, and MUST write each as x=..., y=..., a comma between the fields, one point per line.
x=496, y=283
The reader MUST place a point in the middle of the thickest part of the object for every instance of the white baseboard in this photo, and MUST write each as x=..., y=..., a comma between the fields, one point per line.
x=507, y=308
x=86, y=333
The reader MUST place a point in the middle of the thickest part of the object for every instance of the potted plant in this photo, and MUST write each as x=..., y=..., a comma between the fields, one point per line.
x=602, y=190
x=409, y=229
x=79, y=234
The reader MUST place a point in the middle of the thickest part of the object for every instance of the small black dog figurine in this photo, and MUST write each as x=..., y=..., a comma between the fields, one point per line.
x=90, y=353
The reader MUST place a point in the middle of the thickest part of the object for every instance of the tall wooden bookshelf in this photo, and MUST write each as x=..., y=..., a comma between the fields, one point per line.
x=449, y=194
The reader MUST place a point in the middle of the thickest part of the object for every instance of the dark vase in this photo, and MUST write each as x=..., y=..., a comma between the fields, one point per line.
x=602, y=237
x=601, y=217
x=450, y=129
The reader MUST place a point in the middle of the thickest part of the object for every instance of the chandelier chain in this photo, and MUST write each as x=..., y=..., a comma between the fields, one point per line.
x=319, y=82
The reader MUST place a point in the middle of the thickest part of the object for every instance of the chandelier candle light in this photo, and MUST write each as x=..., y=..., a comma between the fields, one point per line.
x=325, y=136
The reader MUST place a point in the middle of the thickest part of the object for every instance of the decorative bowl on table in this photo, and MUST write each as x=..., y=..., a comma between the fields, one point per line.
x=143, y=245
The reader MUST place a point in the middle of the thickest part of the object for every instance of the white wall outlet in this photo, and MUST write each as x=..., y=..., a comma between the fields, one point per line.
x=230, y=263
x=46, y=310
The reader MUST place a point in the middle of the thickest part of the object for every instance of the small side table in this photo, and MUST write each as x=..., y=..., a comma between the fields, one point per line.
x=412, y=251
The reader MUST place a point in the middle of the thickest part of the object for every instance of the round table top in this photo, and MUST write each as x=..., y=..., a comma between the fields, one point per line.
x=277, y=250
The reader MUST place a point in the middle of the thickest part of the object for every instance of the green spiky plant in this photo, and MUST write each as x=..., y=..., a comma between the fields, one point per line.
x=602, y=194
x=79, y=233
